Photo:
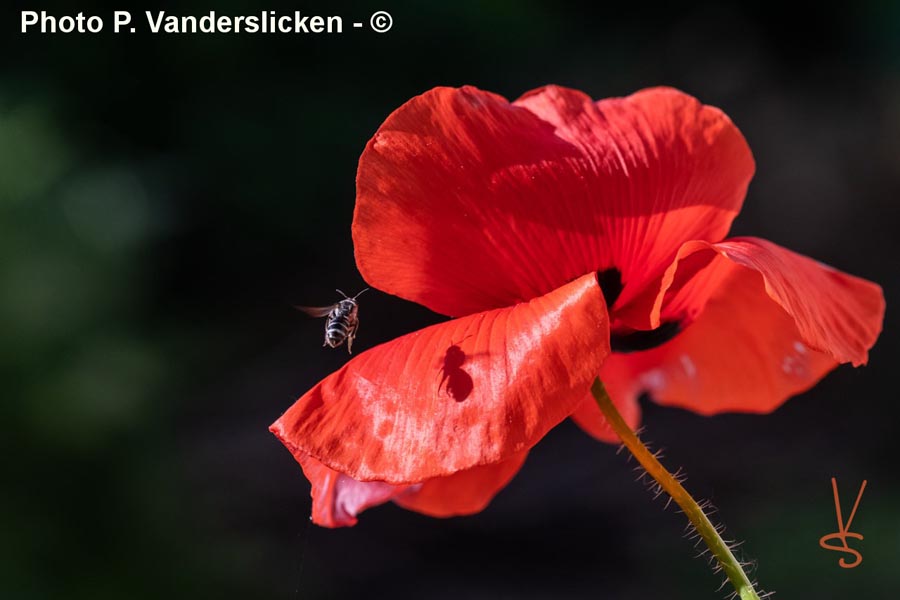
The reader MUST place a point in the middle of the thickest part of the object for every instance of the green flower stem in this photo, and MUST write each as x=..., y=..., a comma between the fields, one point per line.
x=670, y=484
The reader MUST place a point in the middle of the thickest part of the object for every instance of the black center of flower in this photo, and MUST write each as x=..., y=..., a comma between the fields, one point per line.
x=610, y=282
x=636, y=341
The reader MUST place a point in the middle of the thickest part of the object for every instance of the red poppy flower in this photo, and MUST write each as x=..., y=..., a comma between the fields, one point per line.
x=572, y=238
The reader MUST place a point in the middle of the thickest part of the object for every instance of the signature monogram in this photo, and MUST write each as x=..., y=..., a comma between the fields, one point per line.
x=843, y=531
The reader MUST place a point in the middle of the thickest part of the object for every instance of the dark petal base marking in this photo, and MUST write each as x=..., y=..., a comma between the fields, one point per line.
x=637, y=341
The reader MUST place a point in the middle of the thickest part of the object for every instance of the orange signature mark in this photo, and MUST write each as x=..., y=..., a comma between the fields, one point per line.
x=843, y=531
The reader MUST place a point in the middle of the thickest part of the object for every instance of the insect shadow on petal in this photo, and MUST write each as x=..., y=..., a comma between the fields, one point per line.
x=454, y=379
x=342, y=322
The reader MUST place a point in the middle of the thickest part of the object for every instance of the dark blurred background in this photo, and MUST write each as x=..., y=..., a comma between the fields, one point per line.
x=165, y=199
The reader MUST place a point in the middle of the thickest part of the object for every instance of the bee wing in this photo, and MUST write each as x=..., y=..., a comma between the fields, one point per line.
x=316, y=311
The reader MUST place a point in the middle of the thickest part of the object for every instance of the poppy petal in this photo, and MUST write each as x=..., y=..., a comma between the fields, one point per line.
x=463, y=493
x=744, y=352
x=452, y=396
x=337, y=499
x=466, y=202
x=835, y=313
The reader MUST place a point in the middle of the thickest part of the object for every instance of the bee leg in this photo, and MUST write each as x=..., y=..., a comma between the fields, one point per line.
x=350, y=336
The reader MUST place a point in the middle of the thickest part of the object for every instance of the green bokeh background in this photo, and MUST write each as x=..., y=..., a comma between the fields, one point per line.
x=165, y=199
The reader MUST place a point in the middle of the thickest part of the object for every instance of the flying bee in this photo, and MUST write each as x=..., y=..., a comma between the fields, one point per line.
x=342, y=322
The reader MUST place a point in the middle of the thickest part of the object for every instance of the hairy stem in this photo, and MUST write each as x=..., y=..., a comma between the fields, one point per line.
x=670, y=484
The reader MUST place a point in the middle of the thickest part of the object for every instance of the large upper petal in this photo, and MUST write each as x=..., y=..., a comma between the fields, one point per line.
x=466, y=202
x=767, y=324
x=468, y=392
x=337, y=499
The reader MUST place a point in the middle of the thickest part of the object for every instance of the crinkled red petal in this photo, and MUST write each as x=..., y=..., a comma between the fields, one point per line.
x=463, y=493
x=835, y=313
x=768, y=324
x=338, y=499
x=468, y=392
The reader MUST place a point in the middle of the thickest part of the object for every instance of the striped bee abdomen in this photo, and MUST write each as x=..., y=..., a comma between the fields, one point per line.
x=341, y=324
